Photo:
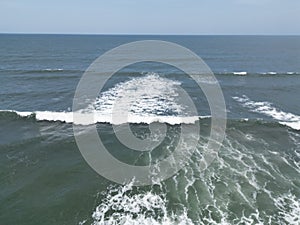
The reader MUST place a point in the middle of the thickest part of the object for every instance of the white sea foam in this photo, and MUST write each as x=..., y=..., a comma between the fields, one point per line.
x=22, y=114
x=53, y=70
x=289, y=208
x=269, y=73
x=204, y=196
x=120, y=206
x=67, y=117
x=240, y=73
x=267, y=108
x=282, y=73
x=147, y=95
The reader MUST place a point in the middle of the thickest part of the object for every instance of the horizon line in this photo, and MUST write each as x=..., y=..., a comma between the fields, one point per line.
x=142, y=34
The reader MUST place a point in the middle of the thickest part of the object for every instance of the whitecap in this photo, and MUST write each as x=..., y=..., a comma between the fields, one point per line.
x=53, y=70
x=267, y=108
x=240, y=73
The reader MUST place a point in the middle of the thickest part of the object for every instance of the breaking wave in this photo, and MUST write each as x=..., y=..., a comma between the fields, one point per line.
x=268, y=109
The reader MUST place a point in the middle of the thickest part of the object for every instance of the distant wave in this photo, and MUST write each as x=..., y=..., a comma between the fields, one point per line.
x=267, y=108
x=270, y=73
x=63, y=70
x=41, y=71
x=52, y=70
x=240, y=73
x=244, y=73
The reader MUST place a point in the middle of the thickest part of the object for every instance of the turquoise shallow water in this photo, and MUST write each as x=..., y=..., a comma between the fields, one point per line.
x=254, y=180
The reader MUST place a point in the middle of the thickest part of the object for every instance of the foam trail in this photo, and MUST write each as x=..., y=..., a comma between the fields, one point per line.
x=266, y=108
x=150, y=98
x=147, y=95
x=120, y=206
x=289, y=207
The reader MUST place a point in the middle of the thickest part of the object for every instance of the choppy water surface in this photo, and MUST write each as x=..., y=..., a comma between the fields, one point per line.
x=254, y=180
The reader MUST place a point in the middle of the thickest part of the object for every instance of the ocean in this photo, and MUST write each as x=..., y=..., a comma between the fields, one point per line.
x=255, y=179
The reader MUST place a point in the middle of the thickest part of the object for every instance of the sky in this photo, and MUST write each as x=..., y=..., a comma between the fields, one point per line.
x=216, y=17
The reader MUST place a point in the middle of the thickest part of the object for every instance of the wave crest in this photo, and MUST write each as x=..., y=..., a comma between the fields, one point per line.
x=267, y=108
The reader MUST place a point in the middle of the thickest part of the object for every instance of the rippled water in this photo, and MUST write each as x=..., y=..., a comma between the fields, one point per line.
x=254, y=180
